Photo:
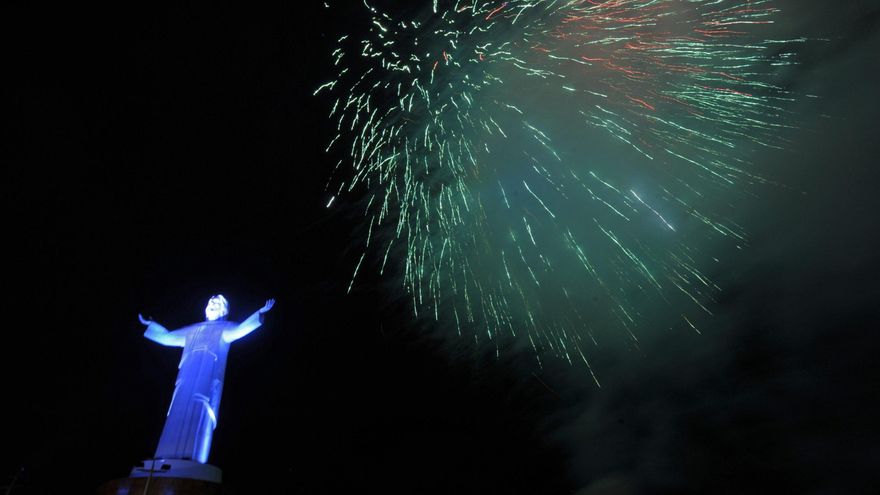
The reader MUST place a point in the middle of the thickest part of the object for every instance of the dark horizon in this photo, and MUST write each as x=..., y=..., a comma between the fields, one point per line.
x=163, y=156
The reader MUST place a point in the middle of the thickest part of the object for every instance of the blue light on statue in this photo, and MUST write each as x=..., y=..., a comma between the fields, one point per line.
x=192, y=415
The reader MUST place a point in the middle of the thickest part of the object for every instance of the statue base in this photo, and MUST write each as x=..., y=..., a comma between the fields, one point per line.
x=163, y=486
x=177, y=468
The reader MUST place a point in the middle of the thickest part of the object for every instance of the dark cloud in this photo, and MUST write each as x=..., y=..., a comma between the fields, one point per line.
x=778, y=392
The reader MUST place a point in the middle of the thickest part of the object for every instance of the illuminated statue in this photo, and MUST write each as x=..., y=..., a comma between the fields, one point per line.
x=192, y=415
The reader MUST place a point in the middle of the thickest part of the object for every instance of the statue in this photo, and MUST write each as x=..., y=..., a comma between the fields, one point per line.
x=192, y=415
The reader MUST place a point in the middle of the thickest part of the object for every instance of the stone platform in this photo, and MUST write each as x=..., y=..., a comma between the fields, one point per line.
x=159, y=486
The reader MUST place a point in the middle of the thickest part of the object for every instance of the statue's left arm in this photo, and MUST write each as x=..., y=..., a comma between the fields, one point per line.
x=247, y=326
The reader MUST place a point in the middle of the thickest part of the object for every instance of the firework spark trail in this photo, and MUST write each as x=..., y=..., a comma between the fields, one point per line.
x=480, y=133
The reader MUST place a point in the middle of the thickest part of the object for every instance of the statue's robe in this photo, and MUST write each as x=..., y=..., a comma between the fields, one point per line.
x=192, y=415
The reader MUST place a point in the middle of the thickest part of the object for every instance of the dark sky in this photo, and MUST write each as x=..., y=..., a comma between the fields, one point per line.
x=161, y=156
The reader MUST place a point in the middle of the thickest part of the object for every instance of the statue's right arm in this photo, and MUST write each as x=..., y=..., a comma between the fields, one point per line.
x=159, y=334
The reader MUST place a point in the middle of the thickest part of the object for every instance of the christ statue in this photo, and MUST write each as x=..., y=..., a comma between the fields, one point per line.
x=192, y=415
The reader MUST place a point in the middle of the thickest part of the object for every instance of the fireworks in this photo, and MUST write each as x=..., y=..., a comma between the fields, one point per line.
x=549, y=169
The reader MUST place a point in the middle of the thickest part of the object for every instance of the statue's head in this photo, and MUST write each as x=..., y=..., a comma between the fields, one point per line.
x=218, y=308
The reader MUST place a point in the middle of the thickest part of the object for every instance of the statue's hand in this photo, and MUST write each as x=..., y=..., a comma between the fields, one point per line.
x=144, y=320
x=268, y=306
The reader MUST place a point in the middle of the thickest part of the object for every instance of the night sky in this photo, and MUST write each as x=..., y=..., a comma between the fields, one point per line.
x=157, y=157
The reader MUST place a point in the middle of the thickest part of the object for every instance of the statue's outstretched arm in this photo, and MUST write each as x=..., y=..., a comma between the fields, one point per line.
x=247, y=326
x=159, y=334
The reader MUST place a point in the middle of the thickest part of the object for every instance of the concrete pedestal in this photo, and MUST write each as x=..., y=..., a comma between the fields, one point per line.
x=167, y=477
x=159, y=486
x=177, y=468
